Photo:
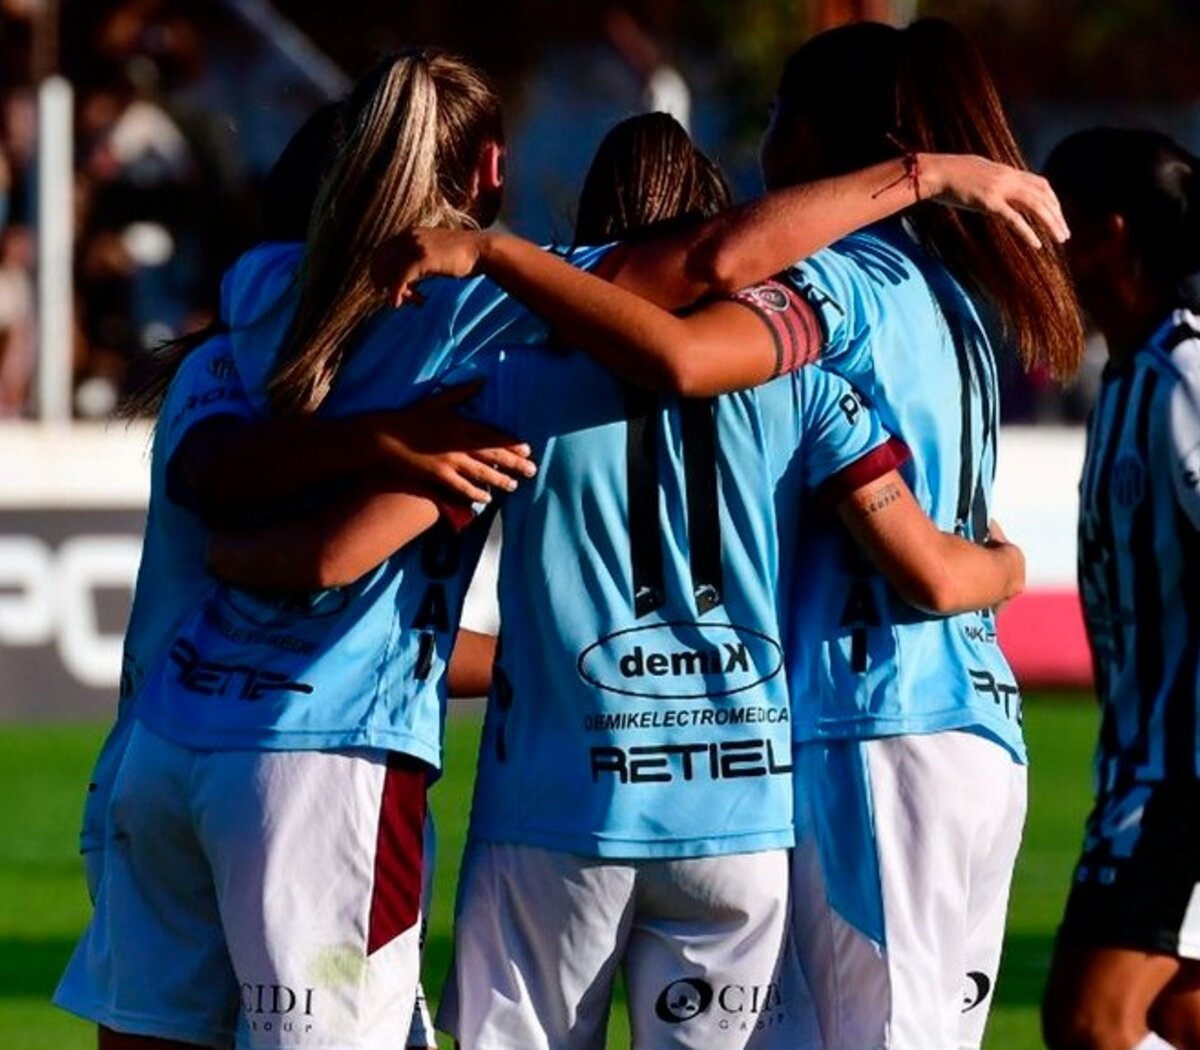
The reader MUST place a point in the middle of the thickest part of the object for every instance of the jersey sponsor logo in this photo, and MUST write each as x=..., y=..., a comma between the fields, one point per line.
x=730, y=1006
x=1005, y=695
x=976, y=990
x=277, y=1008
x=681, y=661
x=682, y=1000
x=671, y=763
x=980, y=632
x=212, y=678
x=618, y=721
x=1129, y=481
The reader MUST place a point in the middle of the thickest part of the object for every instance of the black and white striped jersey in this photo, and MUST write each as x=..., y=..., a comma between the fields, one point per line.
x=1139, y=557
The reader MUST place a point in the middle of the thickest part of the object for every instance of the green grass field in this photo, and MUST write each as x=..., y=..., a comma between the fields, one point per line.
x=43, y=905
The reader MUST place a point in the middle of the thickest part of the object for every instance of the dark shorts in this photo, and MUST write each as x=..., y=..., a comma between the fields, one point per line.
x=1137, y=884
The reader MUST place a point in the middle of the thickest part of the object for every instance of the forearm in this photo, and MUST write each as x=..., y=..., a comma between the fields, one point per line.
x=757, y=240
x=470, y=671
x=931, y=570
x=228, y=465
x=331, y=548
x=636, y=338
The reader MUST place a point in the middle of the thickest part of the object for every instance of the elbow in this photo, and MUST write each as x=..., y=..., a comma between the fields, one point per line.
x=934, y=593
x=333, y=567
x=717, y=268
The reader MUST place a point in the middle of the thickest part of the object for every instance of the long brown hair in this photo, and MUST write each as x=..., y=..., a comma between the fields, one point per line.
x=418, y=124
x=646, y=173
x=869, y=91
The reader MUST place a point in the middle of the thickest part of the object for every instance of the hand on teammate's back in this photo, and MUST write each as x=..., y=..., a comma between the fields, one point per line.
x=432, y=446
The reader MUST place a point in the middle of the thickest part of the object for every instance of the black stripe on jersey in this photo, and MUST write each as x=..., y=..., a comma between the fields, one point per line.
x=1102, y=505
x=1179, y=721
x=1146, y=594
x=979, y=508
x=703, y=504
x=645, y=526
x=966, y=441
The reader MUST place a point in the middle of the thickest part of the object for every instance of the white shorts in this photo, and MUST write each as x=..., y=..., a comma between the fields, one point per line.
x=900, y=880
x=540, y=935
x=267, y=897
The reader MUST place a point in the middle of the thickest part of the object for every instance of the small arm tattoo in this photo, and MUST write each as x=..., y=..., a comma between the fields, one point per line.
x=885, y=497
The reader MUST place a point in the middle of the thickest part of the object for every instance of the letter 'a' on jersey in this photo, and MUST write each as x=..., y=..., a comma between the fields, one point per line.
x=172, y=575
x=1139, y=557
x=360, y=666
x=639, y=706
x=905, y=333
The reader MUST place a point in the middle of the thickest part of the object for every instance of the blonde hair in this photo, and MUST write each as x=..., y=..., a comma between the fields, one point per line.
x=419, y=122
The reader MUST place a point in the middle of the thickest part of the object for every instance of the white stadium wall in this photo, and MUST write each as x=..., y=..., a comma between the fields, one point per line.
x=72, y=505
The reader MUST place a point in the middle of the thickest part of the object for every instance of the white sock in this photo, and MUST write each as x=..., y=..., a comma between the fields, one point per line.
x=1153, y=1042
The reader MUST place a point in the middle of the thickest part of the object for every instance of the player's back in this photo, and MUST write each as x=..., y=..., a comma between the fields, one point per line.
x=356, y=666
x=638, y=707
x=864, y=663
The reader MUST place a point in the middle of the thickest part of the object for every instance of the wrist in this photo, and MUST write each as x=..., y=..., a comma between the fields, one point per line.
x=932, y=175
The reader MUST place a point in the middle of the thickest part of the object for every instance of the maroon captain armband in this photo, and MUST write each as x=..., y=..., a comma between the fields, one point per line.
x=791, y=320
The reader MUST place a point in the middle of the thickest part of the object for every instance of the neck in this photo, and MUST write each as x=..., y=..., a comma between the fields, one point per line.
x=1128, y=317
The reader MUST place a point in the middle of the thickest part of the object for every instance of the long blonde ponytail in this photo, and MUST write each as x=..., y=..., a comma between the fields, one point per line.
x=419, y=122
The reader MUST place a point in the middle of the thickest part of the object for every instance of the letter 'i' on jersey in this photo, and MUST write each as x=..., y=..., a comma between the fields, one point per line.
x=1139, y=556
x=906, y=334
x=359, y=666
x=639, y=707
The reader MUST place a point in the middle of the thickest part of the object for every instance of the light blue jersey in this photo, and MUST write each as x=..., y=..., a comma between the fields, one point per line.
x=639, y=706
x=364, y=665
x=172, y=576
x=863, y=663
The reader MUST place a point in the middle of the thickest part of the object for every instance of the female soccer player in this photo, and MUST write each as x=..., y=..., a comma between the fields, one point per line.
x=900, y=913
x=1126, y=970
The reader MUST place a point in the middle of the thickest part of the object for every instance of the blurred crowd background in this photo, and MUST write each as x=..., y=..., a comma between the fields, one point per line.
x=181, y=106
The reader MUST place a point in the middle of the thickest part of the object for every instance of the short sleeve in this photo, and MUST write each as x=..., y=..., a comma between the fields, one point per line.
x=792, y=323
x=1183, y=428
x=845, y=301
x=207, y=385
x=845, y=444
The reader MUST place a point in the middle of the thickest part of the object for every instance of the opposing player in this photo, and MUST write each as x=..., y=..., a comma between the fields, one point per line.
x=1126, y=970
x=899, y=910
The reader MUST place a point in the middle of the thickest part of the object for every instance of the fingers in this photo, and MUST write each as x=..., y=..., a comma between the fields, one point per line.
x=1017, y=221
x=514, y=459
x=1040, y=201
x=467, y=474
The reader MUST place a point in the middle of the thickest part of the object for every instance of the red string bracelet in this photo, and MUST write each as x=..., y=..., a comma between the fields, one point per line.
x=911, y=173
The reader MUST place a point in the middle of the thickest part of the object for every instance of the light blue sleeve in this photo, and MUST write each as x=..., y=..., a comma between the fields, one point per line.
x=207, y=384
x=846, y=301
x=845, y=445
